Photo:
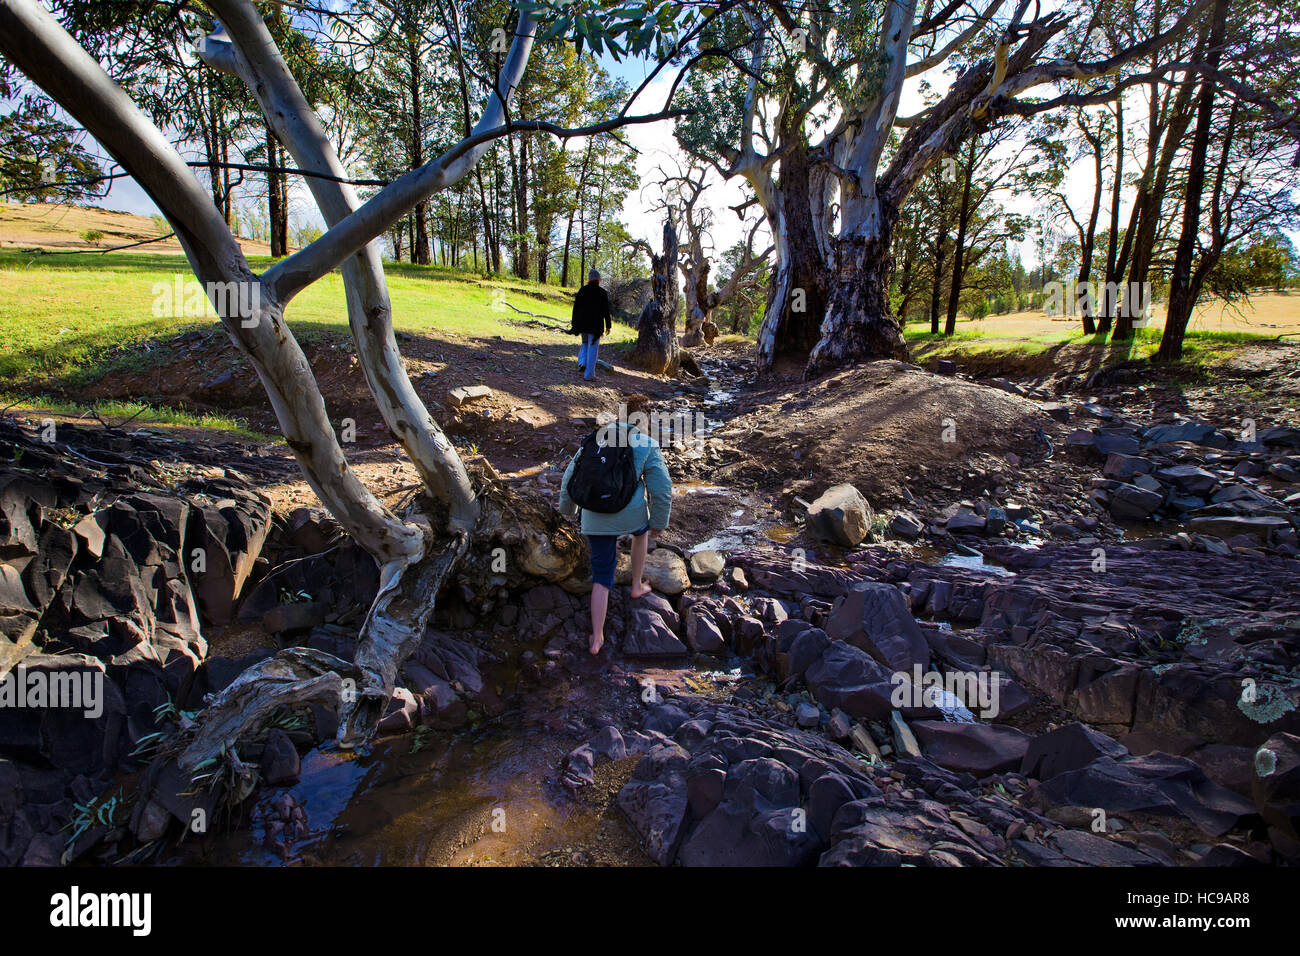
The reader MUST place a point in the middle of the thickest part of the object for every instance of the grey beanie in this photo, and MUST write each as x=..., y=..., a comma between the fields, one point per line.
x=593, y=276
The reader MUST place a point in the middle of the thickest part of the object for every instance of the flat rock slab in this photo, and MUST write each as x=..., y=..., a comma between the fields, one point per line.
x=979, y=749
x=467, y=393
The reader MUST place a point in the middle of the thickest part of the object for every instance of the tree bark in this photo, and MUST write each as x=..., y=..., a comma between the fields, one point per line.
x=858, y=324
x=1114, y=266
x=959, y=246
x=936, y=287
x=797, y=290
x=274, y=197
x=1182, y=289
x=656, y=349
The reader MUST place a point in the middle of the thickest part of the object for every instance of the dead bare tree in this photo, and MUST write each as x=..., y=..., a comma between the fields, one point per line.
x=682, y=192
x=656, y=349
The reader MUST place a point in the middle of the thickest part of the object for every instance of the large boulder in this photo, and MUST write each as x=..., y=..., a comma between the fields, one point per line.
x=1125, y=467
x=850, y=679
x=1192, y=479
x=979, y=749
x=755, y=823
x=63, y=711
x=702, y=631
x=1068, y=748
x=666, y=571
x=1276, y=783
x=1156, y=784
x=654, y=801
x=1131, y=503
x=874, y=616
x=707, y=565
x=841, y=516
x=903, y=832
x=648, y=635
x=1193, y=432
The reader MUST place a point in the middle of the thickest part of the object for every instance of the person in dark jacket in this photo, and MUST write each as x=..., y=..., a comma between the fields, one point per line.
x=592, y=316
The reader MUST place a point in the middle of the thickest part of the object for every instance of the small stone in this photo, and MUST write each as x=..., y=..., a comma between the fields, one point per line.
x=906, y=525
x=807, y=716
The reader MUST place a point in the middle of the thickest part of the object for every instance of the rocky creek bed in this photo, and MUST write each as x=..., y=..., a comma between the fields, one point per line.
x=1132, y=597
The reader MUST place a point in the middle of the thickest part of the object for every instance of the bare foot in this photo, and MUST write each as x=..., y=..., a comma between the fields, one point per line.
x=596, y=643
x=642, y=590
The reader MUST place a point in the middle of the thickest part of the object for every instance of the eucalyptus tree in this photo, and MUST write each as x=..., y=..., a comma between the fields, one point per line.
x=1063, y=140
x=1241, y=178
x=800, y=100
x=416, y=552
x=982, y=225
x=42, y=158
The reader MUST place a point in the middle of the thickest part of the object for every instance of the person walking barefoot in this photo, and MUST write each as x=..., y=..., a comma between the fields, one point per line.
x=647, y=513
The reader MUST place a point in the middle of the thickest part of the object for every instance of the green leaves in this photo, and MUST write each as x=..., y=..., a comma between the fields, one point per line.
x=646, y=28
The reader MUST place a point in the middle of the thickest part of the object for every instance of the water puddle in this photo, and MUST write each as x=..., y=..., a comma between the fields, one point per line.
x=692, y=487
x=482, y=797
x=973, y=562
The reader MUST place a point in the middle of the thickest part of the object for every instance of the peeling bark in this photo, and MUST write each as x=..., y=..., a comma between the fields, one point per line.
x=657, y=350
x=858, y=323
x=797, y=290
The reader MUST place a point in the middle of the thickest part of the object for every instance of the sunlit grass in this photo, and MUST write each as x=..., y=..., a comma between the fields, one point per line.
x=75, y=316
x=1199, y=345
x=137, y=413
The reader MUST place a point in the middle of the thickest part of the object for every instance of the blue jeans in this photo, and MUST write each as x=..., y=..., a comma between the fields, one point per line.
x=587, y=355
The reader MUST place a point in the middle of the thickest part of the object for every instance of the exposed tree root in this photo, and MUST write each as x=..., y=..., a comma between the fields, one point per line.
x=295, y=676
x=359, y=692
x=535, y=542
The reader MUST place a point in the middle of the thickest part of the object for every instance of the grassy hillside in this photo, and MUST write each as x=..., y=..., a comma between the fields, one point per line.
x=55, y=227
x=75, y=316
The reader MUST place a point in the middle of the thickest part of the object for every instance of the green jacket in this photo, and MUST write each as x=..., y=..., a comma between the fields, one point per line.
x=655, y=483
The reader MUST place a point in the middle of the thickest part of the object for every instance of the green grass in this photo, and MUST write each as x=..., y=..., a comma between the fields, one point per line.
x=73, y=317
x=139, y=413
x=1199, y=346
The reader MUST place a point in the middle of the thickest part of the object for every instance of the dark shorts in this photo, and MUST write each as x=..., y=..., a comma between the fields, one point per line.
x=604, y=556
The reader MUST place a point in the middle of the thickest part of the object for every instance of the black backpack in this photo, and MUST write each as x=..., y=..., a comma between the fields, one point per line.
x=604, y=477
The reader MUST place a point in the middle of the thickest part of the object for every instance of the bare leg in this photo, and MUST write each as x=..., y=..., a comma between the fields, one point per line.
x=640, y=545
x=599, y=603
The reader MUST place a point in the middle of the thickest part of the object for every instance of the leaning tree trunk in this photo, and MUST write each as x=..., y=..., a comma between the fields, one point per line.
x=414, y=556
x=656, y=349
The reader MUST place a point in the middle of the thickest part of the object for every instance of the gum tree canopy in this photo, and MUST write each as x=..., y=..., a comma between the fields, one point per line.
x=801, y=100
x=415, y=552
